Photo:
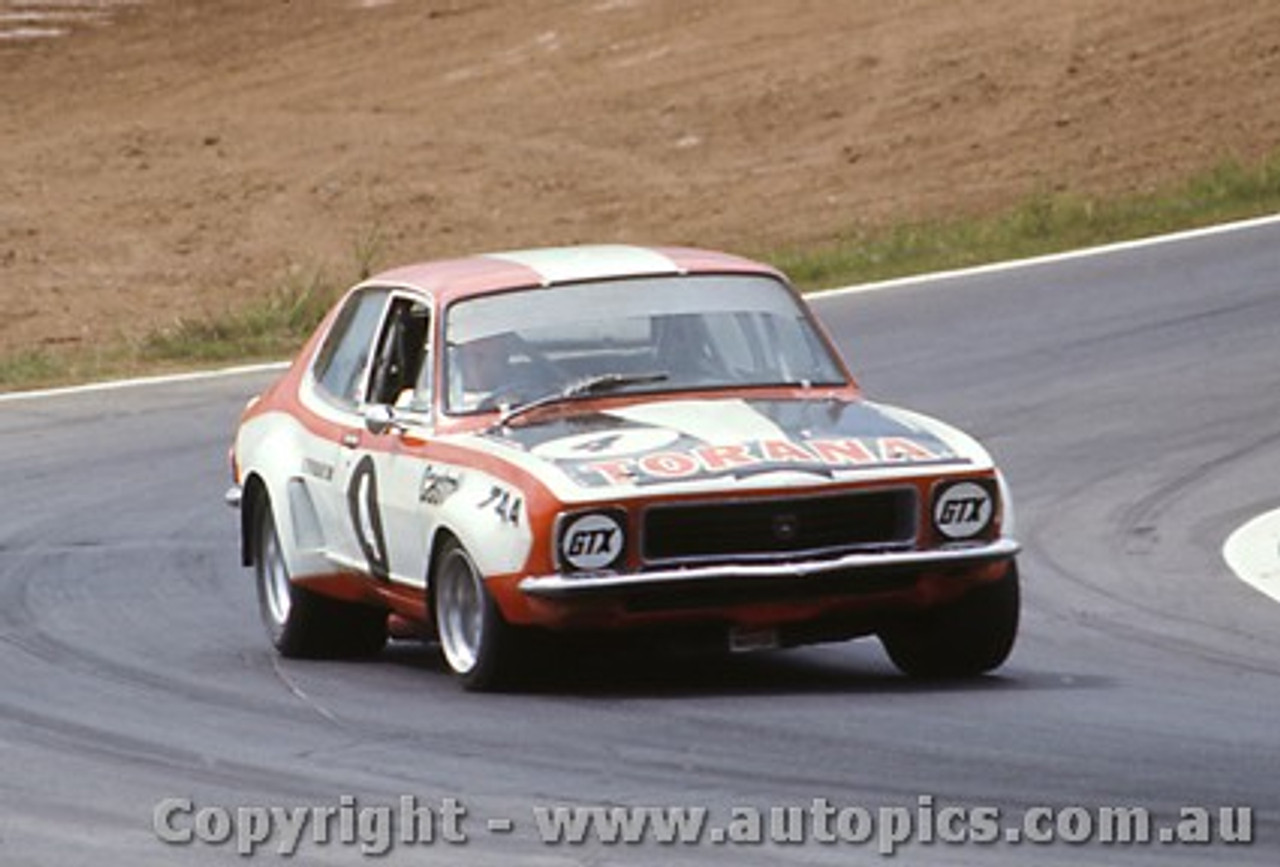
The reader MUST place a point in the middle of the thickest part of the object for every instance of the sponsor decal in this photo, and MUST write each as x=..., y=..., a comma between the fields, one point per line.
x=692, y=440
x=819, y=456
x=316, y=469
x=438, y=484
x=963, y=510
x=592, y=542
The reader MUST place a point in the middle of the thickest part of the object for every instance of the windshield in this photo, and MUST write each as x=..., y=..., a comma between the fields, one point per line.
x=654, y=333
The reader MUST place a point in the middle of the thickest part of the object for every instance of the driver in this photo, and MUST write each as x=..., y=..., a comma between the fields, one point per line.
x=486, y=372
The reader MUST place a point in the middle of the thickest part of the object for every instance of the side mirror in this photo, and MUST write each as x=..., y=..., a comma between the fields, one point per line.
x=380, y=419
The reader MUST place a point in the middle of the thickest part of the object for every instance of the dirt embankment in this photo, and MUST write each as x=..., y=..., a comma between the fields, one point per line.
x=191, y=154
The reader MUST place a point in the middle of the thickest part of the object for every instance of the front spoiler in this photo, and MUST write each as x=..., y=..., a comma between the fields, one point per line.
x=563, y=587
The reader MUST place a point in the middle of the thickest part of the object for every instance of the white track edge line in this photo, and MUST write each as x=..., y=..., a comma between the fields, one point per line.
x=1050, y=258
x=917, y=279
x=1253, y=553
x=144, y=381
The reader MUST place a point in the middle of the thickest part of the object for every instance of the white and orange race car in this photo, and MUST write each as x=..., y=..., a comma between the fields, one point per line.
x=597, y=439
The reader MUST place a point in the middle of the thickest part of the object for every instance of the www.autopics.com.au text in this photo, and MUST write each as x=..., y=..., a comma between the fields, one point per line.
x=376, y=829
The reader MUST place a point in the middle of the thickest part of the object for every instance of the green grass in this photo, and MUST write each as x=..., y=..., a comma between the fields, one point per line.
x=1043, y=223
x=276, y=326
x=271, y=328
x=31, y=366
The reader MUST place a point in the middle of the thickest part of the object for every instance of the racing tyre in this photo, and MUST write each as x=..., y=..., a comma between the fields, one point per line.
x=301, y=623
x=964, y=639
x=479, y=646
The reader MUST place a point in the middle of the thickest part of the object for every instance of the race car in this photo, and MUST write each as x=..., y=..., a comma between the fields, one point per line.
x=498, y=452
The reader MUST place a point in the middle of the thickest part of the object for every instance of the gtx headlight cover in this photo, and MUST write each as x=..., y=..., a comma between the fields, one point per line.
x=593, y=541
x=963, y=510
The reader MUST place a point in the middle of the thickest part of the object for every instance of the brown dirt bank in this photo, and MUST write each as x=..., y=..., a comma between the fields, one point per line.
x=192, y=153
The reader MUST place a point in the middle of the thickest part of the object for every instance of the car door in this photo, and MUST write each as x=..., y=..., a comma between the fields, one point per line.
x=384, y=488
x=335, y=390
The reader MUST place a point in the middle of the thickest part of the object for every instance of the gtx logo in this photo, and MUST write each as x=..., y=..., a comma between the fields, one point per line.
x=592, y=541
x=963, y=510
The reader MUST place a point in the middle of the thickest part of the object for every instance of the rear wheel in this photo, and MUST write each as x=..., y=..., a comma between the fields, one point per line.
x=964, y=639
x=299, y=622
x=477, y=643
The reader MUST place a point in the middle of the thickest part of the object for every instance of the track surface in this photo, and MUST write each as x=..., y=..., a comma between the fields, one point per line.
x=1134, y=400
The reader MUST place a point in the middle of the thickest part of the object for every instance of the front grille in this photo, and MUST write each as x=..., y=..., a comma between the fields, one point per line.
x=776, y=527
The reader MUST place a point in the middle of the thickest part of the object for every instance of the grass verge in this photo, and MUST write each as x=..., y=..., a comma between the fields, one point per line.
x=269, y=329
x=1045, y=223
x=272, y=328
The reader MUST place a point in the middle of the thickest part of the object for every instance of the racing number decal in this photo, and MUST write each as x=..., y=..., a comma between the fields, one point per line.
x=505, y=504
x=362, y=501
x=598, y=445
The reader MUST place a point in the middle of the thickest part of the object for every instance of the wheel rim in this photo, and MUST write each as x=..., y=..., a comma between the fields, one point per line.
x=459, y=611
x=275, y=578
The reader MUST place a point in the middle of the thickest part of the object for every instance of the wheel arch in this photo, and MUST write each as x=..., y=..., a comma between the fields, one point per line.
x=254, y=499
x=442, y=535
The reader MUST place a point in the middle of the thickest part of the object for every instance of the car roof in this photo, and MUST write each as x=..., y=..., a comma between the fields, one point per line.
x=450, y=279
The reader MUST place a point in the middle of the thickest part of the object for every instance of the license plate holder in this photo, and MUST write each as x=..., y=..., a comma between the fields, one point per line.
x=749, y=639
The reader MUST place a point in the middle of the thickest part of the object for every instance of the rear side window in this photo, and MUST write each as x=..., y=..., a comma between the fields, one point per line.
x=344, y=358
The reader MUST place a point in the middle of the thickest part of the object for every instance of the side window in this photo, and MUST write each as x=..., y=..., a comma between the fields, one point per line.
x=402, y=367
x=341, y=362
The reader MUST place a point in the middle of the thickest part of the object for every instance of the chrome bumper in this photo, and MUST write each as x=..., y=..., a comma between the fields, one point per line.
x=562, y=586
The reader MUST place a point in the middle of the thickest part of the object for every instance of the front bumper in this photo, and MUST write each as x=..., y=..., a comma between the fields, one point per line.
x=783, y=574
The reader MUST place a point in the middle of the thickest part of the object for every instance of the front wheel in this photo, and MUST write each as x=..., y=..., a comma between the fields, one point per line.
x=299, y=622
x=476, y=641
x=964, y=639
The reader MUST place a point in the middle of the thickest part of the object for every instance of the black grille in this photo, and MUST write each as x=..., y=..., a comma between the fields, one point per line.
x=775, y=527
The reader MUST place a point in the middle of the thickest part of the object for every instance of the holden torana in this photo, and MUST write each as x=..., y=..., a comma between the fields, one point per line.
x=598, y=439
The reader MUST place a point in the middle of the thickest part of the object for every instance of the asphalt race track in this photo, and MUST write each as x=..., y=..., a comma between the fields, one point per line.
x=1134, y=400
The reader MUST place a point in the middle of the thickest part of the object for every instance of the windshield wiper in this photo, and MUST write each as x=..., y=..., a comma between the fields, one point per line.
x=601, y=383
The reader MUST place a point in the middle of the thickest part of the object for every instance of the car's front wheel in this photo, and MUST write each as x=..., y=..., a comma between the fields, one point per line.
x=964, y=639
x=476, y=641
x=300, y=622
